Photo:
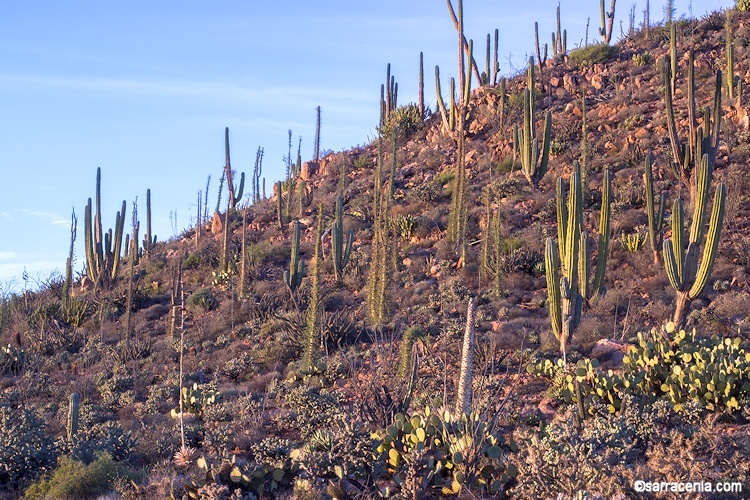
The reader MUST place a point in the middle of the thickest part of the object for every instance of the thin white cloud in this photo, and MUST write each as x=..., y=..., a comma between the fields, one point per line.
x=53, y=218
x=6, y=216
x=7, y=255
x=209, y=90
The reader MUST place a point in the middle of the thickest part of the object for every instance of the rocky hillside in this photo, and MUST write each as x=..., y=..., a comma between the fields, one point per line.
x=257, y=355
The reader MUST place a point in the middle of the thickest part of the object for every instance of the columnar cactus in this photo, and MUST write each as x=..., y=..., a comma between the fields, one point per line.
x=608, y=19
x=568, y=268
x=279, y=205
x=339, y=252
x=685, y=275
x=148, y=239
x=233, y=195
x=734, y=83
x=533, y=165
x=541, y=60
x=704, y=140
x=421, y=85
x=293, y=277
x=655, y=217
x=102, y=249
x=73, y=416
x=495, y=60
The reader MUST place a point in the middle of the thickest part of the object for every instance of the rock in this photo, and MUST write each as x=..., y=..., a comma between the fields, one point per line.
x=217, y=224
x=597, y=81
x=609, y=350
x=555, y=82
x=309, y=169
x=548, y=407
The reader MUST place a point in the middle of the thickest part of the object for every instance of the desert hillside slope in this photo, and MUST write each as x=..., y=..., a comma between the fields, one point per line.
x=307, y=369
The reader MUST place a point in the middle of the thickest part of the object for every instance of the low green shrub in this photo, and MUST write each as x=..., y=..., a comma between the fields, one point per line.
x=593, y=54
x=74, y=479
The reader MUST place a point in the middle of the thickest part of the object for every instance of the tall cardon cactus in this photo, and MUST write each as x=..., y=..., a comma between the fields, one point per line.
x=568, y=263
x=685, y=275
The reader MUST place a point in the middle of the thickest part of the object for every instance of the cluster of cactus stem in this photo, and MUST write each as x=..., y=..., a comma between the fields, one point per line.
x=541, y=57
x=491, y=66
x=293, y=276
x=568, y=268
x=655, y=214
x=456, y=110
x=102, y=249
x=534, y=160
x=340, y=252
x=234, y=195
x=701, y=140
x=685, y=275
x=608, y=20
x=559, y=40
x=311, y=352
x=388, y=97
x=734, y=82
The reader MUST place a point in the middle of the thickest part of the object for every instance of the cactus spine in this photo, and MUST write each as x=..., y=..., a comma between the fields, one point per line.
x=608, y=20
x=533, y=165
x=704, y=140
x=339, y=252
x=102, y=250
x=293, y=277
x=463, y=401
x=685, y=275
x=567, y=268
x=73, y=411
x=655, y=217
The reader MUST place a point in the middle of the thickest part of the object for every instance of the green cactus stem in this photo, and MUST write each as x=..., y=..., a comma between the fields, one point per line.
x=701, y=140
x=293, y=277
x=608, y=19
x=73, y=410
x=655, y=216
x=534, y=165
x=421, y=85
x=234, y=196
x=339, y=252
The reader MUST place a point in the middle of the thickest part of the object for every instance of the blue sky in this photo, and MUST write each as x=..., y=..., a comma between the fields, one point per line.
x=144, y=91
